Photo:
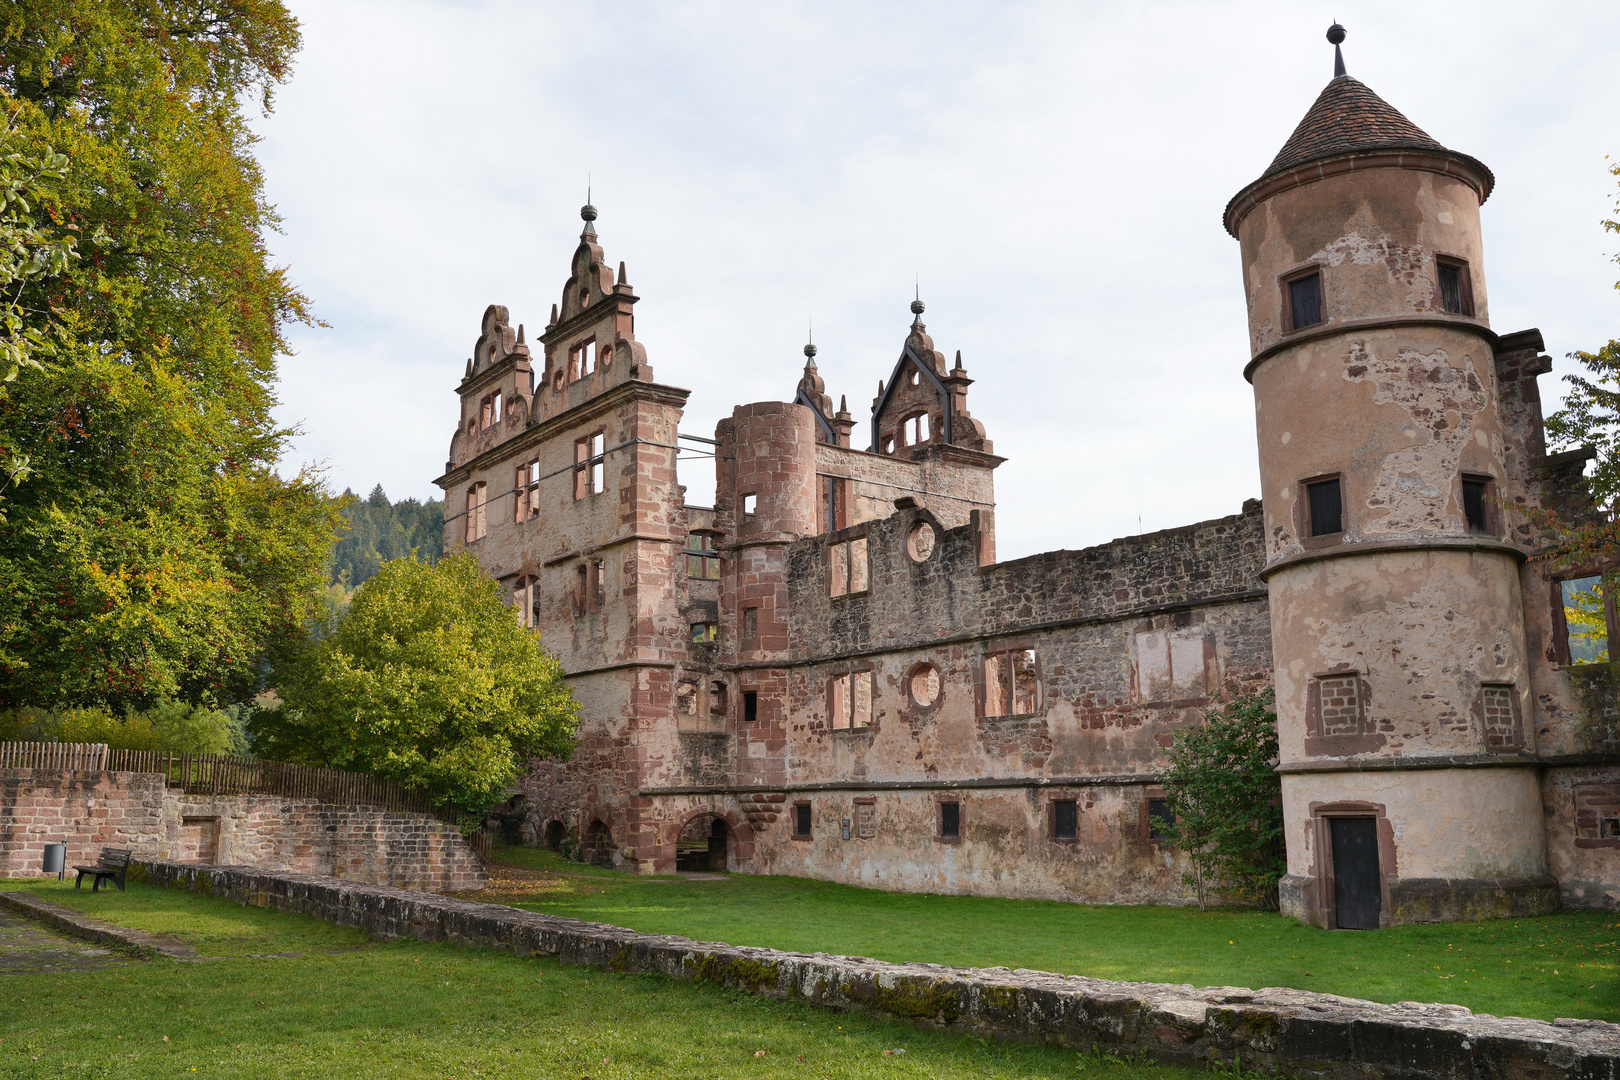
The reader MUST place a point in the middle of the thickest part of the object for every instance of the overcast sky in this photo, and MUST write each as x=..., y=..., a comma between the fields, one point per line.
x=1052, y=175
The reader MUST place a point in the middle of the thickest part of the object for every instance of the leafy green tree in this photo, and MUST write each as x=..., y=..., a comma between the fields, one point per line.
x=377, y=530
x=152, y=552
x=430, y=680
x=1223, y=787
x=173, y=726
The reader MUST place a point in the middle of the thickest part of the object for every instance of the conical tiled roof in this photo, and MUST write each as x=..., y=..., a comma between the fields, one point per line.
x=1348, y=120
x=1348, y=117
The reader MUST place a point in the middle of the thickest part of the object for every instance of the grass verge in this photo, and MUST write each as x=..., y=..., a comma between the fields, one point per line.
x=347, y=1008
x=1542, y=968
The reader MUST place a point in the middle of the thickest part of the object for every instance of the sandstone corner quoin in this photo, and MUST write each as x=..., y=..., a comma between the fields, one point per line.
x=828, y=673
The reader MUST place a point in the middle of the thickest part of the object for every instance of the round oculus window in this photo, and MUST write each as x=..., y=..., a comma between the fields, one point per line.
x=924, y=685
x=920, y=542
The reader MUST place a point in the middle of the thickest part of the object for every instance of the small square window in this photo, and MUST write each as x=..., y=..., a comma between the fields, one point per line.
x=801, y=819
x=1160, y=819
x=1474, y=492
x=749, y=504
x=1325, y=503
x=1065, y=819
x=950, y=821
x=1305, y=301
x=705, y=631
x=750, y=706
x=1609, y=828
x=702, y=560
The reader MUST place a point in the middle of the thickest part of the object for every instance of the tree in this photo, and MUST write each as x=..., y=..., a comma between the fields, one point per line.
x=377, y=530
x=151, y=551
x=1223, y=787
x=430, y=680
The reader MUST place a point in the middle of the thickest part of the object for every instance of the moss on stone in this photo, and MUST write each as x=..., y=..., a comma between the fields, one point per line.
x=1002, y=998
x=738, y=971
x=917, y=999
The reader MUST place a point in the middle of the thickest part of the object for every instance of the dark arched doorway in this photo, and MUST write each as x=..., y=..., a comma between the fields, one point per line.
x=701, y=847
x=599, y=844
x=554, y=836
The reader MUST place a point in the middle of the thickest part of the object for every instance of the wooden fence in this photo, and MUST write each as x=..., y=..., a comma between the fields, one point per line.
x=223, y=774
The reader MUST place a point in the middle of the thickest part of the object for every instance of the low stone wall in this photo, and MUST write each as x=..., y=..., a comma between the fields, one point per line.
x=1275, y=1030
x=91, y=810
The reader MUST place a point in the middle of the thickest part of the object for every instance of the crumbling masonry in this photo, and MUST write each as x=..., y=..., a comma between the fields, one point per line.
x=828, y=673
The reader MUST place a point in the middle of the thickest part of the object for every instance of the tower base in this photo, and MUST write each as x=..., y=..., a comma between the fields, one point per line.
x=1423, y=900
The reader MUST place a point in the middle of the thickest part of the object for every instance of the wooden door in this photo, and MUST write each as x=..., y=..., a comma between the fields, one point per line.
x=1358, y=894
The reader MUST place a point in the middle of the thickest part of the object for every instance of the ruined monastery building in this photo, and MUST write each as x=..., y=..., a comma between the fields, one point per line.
x=829, y=674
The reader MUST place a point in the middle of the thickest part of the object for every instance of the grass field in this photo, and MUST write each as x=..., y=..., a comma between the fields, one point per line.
x=1547, y=967
x=349, y=1007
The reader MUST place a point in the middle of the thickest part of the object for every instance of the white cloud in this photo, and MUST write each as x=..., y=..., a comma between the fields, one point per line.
x=1052, y=174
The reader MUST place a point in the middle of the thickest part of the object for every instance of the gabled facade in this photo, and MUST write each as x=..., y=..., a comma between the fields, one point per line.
x=829, y=673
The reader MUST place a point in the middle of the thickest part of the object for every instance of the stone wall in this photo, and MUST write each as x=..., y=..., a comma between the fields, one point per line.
x=1272, y=1030
x=92, y=810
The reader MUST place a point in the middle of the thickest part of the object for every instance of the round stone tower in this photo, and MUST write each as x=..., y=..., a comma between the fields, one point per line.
x=1396, y=614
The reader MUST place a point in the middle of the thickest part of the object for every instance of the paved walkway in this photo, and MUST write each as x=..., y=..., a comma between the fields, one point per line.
x=25, y=945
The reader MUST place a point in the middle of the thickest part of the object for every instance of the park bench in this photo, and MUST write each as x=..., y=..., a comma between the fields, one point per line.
x=112, y=865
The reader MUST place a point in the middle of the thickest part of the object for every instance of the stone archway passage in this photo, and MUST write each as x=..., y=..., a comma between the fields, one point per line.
x=555, y=833
x=599, y=844
x=702, y=846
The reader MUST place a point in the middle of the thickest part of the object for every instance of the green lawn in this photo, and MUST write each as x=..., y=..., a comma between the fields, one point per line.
x=1557, y=965
x=353, y=1008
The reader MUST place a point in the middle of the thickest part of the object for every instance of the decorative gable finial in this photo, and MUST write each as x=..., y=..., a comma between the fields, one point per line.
x=1335, y=34
x=588, y=212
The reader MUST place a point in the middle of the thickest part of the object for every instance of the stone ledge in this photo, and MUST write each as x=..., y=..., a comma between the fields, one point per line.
x=1274, y=1029
x=102, y=933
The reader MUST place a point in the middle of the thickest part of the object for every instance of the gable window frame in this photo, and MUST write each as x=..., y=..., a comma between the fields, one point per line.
x=582, y=359
x=1293, y=283
x=1454, y=285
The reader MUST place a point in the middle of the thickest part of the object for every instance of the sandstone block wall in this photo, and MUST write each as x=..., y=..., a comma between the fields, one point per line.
x=92, y=810
x=1274, y=1030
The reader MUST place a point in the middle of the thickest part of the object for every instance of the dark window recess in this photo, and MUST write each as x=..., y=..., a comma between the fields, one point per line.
x=1160, y=819
x=750, y=705
x=1305, y=301
x=950, y=820
x=1451, y=290
x=801, y=820
x=1327, y=509
x=1065, y=819
x=1473, y=492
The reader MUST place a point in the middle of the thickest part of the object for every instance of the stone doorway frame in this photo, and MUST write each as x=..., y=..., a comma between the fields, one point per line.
x=1321, y=901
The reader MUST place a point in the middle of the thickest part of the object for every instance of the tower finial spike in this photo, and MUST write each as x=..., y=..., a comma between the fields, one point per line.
x=1336, y=34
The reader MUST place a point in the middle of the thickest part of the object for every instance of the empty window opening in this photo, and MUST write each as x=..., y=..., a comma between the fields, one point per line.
x=1305, y=301
x=915, y=429
x=702, y=560
x=916, y=376
x=719, y=699
x=1474, y=493
x=590, y=465
x=526, y=500
x=830, y=514
x=496, y=410
x=750, y=628
x=1065, y=819
x=1609, y=828
x=1340, y=708
x=950, y=821
x=1589, y=622
x=749, y=504
x=849, y=701
x=525, y=599
x=750, y=706
x=1012, y=684
x=1456, y=290
x=476, y=521
x=555, y=834
x=888, y=444
x=924, y=685
x=582, y=360
x=801, y=819
x=1325, y=504
x=686, y=699
x=705, y=631
x=1161, y=819
x=848, y=570
x=598, y=584
x=582, y=587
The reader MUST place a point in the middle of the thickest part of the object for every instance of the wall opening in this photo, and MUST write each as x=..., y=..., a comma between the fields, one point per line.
x=1357, y=883
x=554, y=836
x=703, y=845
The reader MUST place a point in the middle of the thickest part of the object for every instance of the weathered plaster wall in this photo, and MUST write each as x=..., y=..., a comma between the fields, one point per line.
x=1581, y=853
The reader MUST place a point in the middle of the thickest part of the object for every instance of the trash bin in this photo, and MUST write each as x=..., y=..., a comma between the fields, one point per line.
x=56, y=859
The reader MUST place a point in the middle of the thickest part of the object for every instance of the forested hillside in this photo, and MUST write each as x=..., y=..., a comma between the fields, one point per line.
x=377, y=529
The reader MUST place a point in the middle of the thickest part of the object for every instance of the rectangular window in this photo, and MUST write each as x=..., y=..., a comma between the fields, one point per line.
x=865, y=819
x=749, y=503
x=750, y=628
x=719, y=699
x=801, y=820
x=848, y=569
x=750, y=706
x=1160, y=819
x=1012, y=684
x=1586, y=621
x=476, y=520
x=1325, y=504
x=1305, y=301
x=582, y=589
x=705, y=631
x=496, y=410
x=1456, y=288
x=526, y=500
x=1065, y=819
x=702, y=560
x=590, y=468
x=950, y=821
x=830, y=515
x=849, y=701
x=598, y=584
x=1474, y=493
